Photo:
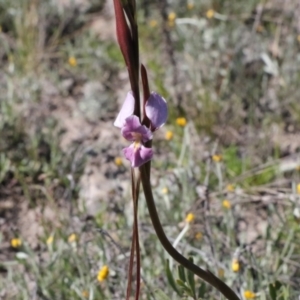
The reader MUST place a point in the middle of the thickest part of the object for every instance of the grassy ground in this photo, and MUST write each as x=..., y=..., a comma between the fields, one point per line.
x=226, y=170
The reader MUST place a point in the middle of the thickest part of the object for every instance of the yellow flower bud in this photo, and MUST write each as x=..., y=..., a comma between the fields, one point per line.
x=210, y=14
x=171, y=17
x=230, y=188
x=72, y=61
x=49, y=240
x=153, y=23
x=181, y=122
x=226, y=204
x=72, y=238
x=298, y=188
x=198, y=236
x=190, y=6
x=165, y=190
x=216, y=158
x=16, y=243
x=169, y=135
x=190, y=218
x=235, y=265
x=103, y=273
x=118, y=161
x=249, y=294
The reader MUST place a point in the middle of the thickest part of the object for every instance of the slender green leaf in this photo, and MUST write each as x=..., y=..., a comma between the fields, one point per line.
x=202, y=290
x=171, y=278
x=191, y=280
x=181, y=273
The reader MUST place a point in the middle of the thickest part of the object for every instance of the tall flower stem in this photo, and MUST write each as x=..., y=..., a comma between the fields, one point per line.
x=205, y=275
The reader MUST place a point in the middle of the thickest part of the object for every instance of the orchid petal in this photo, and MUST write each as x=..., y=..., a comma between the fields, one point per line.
x=137, y=155
x=126, y=110
x=156, y=110
x=132, y=130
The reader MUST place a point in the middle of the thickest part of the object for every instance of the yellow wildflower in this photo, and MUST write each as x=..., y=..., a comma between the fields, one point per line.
x=221, y=272
x=190, y=5
x=85, y=293
x=118, y=161
x=226, y=204
x=298, y=38
x=72, y=61
x=165, y=190
x=210, y=14
x=216, y=158
x=153, y=23
x=249, y=294
x=171, y=17
x=49, y=240
x=198, y=236
x=298, y=188
x=190, y=217
x=235, y=265
x=169, y=135
x=230, y=188
x=103, y=273
x=16, y=243
x=72, y=238
x=181, y=122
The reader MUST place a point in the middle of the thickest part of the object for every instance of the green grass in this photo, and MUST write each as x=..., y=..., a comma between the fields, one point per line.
x=55, y=135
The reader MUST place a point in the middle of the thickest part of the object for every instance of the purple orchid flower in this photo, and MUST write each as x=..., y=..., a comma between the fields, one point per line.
x=132, y=130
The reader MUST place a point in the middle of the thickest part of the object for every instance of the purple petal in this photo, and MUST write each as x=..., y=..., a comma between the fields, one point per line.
x=156, y=110
x=137, y=154
x=127, y=110
x=132, y=130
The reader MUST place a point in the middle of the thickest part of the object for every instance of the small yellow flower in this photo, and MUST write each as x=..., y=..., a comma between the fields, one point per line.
x=210, y=14
x=72, y=238
x=171, y=17
x=221, y=272
x=85, y=293
x=298, y=167
x=181, y=122
x=216, y=158
x=298, y=188
x=298, y=38
x=198, y=236
x=165, y=190
x=249, y=294
x=153, y=23
x=235, y=265
x=50, y=240
x=190, y=6
x=226, y=204
x=16, y=243
x=72, y=61
x=103, y=273
x=169, y=135
x=118, y=161
x=230, y=188
x=190, y=217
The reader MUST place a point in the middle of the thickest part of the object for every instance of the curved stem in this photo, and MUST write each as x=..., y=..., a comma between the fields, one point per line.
x=205, y=275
